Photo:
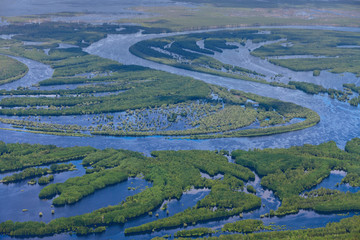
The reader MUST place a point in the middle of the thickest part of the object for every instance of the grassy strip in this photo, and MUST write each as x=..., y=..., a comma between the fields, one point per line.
x=288, y=172
x=347, y=228
x=25, y=155
x=11, y=69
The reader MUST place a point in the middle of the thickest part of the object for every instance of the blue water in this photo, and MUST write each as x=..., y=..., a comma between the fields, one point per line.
x=12, y=198
x=334, y=182
x=332, y=127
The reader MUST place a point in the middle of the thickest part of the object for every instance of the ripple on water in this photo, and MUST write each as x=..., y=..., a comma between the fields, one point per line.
x=37, y=72
x=331, y=111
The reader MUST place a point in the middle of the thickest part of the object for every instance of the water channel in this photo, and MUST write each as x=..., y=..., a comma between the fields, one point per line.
x=332, y=112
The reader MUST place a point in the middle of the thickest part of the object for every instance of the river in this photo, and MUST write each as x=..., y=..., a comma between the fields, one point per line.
x=339, y=122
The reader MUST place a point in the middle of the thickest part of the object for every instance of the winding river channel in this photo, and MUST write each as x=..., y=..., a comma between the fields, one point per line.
x=340, y=122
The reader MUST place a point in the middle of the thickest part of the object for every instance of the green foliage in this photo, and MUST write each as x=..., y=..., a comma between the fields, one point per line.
x=310, y=88
x=36, y=172
x=45, y=180
x=74, y=189
x=244, y=226
x=145, y=88
x=316, y=73
x=221, y=196
x=196, y=215
x=172, y=90
x=250, y=189
x=25, y=174
x=11, y=69
x=347, y=228
x=285, y=111
x=316, y=43
x=170, y=172
x=18, y=156
x=183, y=52
x=288, y=172
x=196, y=232
x=84, y=34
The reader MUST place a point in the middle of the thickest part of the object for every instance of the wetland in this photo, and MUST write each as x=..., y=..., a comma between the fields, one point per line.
x=173, y=139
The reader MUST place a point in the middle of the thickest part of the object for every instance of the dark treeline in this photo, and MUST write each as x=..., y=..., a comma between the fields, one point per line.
x=149, y=94
x=312, y=88
x=16, y=156
x=348, y=228
x=11, y=69
x=170, y=172
x=196, y=232
x=244, y=226
x=288, y=172
x=36, y=172
x=84, y=35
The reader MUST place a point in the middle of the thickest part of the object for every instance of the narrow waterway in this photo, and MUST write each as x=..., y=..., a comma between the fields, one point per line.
x=339, y=122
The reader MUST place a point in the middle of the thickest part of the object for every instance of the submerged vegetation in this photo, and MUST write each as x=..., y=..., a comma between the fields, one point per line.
x=288, y=172
x=90, y=95
x=130, y=100
x=186, y=51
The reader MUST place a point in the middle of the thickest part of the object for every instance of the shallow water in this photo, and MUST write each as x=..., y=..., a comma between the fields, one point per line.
x=12, y=197
x=334, y=182
x=37, y=72
x=332, y=113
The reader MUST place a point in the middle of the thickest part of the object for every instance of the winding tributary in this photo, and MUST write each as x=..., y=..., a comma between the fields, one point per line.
x=339, y=122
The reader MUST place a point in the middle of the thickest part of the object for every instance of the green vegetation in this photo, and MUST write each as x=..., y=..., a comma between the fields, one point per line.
x=142, y=92
x=46, y=180
x=196, y=232
x=352, y=87
x=250, y=189
x=239, y=113
x=202, y=212
x=74, y=189
x=174, y=51
x=148, y=94
x=184, y=52
x=288, y=172
x=284, y=112
x=347, y=228
x=209, y=14
x=36, y=172
x=312, y=88
x=241, y=109
x=316, y=73
x=83, y=36
x=170, y=172
x=244, y=226
x=314, y=43
x=11, y=69
x=15, y=156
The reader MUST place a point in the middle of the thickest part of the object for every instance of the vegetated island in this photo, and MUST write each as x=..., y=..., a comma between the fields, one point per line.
x=288, y=172
x=318, y=50
x=11, y=69
x=130, y=100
